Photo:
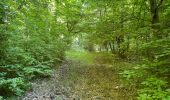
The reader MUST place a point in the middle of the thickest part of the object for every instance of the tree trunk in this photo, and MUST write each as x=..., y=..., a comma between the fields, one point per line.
x=154, y=8
x=111, y=45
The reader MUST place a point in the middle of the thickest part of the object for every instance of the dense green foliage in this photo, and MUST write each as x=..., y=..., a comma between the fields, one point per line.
x=31, y=43
x=34, y=35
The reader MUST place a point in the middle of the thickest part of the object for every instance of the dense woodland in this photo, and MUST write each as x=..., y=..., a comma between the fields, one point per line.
x=35, y=35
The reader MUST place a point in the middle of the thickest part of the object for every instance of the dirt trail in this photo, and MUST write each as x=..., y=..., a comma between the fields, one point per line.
x=50, y=88
x=99, y=80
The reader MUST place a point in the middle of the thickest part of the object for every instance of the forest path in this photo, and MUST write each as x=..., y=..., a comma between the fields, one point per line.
x=96, y=76
x=84, y=76
x=50, y=88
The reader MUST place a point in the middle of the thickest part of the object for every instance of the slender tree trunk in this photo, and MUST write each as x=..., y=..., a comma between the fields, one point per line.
x=154, y=8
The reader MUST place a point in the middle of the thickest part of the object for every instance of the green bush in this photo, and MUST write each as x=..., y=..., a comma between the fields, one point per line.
x=40, y=72
x=154, y=89
x=14, y=86
x=152, y=72
x=30, y=44
x=14, y=78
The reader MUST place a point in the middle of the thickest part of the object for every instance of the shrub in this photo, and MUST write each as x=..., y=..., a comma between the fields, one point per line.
x=154, y=89
x=13, y=86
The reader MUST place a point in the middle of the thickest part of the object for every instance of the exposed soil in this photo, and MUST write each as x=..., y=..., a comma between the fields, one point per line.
x=50, y=88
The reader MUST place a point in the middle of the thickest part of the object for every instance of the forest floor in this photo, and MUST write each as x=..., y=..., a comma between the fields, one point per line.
x=85, y=76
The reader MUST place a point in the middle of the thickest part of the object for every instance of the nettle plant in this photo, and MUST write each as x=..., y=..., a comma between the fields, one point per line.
x=13, y=86
x=150, y=86
x=154, y=89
